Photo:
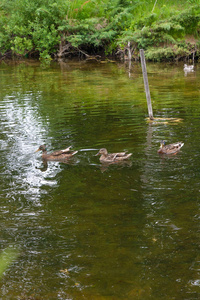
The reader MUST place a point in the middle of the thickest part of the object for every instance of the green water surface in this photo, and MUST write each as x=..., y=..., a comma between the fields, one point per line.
x=88, y=231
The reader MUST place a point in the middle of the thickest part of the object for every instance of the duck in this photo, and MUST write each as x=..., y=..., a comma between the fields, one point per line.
x=56, y=155
x=112, y=157
x=188, y=68
x=171, y=148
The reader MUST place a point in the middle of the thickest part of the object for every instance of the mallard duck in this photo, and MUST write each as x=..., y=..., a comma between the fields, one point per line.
x=188, y=68
x=56, y=155
x=112, y=157
x=171, y=148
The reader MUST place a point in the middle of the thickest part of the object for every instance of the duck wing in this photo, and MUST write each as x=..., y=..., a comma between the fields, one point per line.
x=172, y=148
x=119, y=154
x=122, y=155
x=177, y=145
x=60, y=152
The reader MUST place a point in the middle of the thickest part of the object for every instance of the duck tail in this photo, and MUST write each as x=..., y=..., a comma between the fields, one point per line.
x=74, y=152
x=67, y=149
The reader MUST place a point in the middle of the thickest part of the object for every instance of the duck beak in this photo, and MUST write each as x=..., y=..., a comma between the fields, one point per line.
x=97, y=154
x=37, y=150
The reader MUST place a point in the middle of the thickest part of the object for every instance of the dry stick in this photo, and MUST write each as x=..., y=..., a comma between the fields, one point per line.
x=129, y=50
x=146, y=84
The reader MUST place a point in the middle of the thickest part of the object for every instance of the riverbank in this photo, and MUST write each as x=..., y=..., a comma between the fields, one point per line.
x=94, y=29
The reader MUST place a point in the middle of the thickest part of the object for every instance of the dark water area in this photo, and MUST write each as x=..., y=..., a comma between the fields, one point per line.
x=84, y=230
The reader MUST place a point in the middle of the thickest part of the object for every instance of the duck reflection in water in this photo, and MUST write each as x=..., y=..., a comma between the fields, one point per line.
x=45, y=164
x=119, y=164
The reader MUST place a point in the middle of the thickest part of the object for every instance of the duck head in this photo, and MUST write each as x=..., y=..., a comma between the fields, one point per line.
x=42, y=148
x=102, y=151
x=162, y=144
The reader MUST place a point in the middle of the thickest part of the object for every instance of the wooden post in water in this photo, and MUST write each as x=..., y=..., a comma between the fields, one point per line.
x=146, y=84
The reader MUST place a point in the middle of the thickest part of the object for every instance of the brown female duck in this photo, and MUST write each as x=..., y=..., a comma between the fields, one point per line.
x=170, y=149
x=56, y=155
x=112, y=157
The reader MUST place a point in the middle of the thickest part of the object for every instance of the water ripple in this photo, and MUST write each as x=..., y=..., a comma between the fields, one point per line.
x=23, y=130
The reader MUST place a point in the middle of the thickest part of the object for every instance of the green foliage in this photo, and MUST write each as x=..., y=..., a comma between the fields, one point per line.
x=41, y=26
x=166, y=53
x=31, y=26
x=162, y=38
x=21, y=45
x=188, y=19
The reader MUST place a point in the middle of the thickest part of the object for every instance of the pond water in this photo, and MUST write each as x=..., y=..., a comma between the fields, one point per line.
x=88, y=231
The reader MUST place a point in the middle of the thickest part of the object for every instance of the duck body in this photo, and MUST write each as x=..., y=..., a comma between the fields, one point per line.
x=58, y=155
x=171, y=148
x=188, y=68
x=106, y=157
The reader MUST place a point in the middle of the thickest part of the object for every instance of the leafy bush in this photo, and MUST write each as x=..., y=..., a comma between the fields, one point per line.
x=49, y=27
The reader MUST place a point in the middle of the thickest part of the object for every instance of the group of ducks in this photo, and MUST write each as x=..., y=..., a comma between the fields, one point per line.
x=62, y=155
x=105, y=157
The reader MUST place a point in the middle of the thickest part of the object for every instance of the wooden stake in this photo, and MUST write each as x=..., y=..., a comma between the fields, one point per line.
x=146, y=84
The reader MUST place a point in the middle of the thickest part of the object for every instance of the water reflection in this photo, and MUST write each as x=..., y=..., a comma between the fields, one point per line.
x=23, y=129
x=119, y=164
x=121, y=231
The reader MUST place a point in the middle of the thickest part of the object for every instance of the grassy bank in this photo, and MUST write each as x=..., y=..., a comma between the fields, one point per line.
x=55, y=28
